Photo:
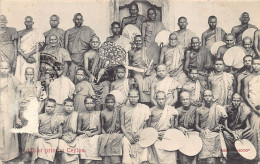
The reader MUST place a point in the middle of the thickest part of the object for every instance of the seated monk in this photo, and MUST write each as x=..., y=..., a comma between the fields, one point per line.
x=134, y=118
x=248, y=46
x=230, y=42
x=163, y=117
x=237, y=126
x=46, y=140
x=164, y=83
x=172, y=55
x=68, y=143
x=110, y=141
x=186, y=123
x=89, y=128
x=208, y=121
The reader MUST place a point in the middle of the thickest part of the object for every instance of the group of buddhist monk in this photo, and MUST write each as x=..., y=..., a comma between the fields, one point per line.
x=64, y=100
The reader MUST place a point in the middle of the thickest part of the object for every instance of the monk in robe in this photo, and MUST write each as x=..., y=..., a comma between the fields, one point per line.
x=213, y=34
x=237, y=126
x=134, y=118
x=151, y=27
x=77, y=42
x=248, y=47
x=199, y=57
x=230, y=42
x=8, y=43
x=60, y=89
x=244, y=72
x=9, y=148
x=55, y=30
x=46, y=140
x=59, y=53
x=30, y=41
x=163, y=117
x=186, y=123
x=257, y=42
x=82, y=89
x=194, y=87
x=221, y=83
x=134, y=18
x=138, y=58
x=184, y=35
x=251, y=95
x=110, y=141
x=89, y=128
x=238, y=30
x=68, y=143
x=208, y=121
x=164, y=83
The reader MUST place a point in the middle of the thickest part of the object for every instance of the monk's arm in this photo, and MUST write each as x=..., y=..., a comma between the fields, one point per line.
x=256, y=42
x=123, y=23
x=112, y=87
x=174, y=122
x=203, y=42
x=187, y=61
x=86, y=62
x=227, y=128
x=152, y=94
x=98, y=129
x=149, y=121
x=102, y=123
x=66, y=68
x=174, y=96
x=79, y=131
x=143, y=31
x=57, y=135
x=209, y=84
x=197, y=118
x=122, y=120
x=239, y=81
x=162, y=55
x=218, y=56
x=248, y=127
x=66, y=40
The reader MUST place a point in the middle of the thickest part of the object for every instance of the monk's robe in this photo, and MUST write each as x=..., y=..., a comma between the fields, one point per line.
x=60, y=54
x=9, y=148
x=59, y=90
x=135, y=120
x=70, y=151
x=7, y=49
x=241, y=74
x=150, y=30
x=55, y=31
x=237, y=31
x=162, y=122
x=78, y=44
x=250, y=52
x=195, y=88
x=236, y=121
x=211, y=147
x=48, y=125
x=123, y=86
x=211, y=37
x=90, y=121
x=29, y=43
x=184, y=37
x=167, y=85
x=110, y=145
x=174, y=60
x=222, y=87
x=137, y=21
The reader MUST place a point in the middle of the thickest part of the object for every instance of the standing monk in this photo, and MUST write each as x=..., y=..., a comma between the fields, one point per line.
x=8, y=43
x=54, y=22
x=257, y=42
x=230, y=42
x=184, y=35
x=134, y=17
x=238, y=30
x=77, y=42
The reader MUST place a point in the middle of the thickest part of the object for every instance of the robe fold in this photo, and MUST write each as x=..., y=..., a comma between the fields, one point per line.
x=213, y=36
x=150, y=30
x=137, y=21
x=184, y=38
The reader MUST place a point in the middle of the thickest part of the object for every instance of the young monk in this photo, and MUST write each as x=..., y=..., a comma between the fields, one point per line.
x=89, y=128
x=134, y=118
x=163, y=117
x=50, y=130
x=110, y=142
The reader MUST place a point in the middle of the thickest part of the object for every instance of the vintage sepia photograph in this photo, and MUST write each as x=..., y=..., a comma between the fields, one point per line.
x=129, y=82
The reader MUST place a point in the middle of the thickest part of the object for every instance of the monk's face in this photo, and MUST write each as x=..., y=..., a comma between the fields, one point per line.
x=89, y=104
x=195, y=43
x=133, y=10
x=138, y=42
x=69, y=107
x=219, y=66
x=29, y=74
x=120, y=73
x=80, y=75
x=53, y=40
x=212, y=23
x=95, y=42
x=256, y=65
x=173, y=40
x=183, y=23
x=110, y=104
x=54, y=21
x=230, y=41
x=247, y=44
x=244, y=18
x=133, y=97
x=59, y=70
x=193, y=75
x=28, y=23
x=208, y=97
x=4, y=68
x=236, y=100
x=151, y=15
x=3, y=21
x=78, y=21
x=248, y=62
x=161, y=99
x=185, y=100
x=116, y=29
x=50, y=107
x=161, y=71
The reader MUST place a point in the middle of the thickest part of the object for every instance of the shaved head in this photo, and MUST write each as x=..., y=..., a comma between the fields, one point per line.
x=207, y=92
x=184, y=94
x=2, y=17
x=4, y=63
x=236, y=96
x=28, y=17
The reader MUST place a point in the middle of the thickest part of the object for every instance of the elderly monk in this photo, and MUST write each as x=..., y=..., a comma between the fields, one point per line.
x=134, y=17
x=237, y=126
x=163, y=117
x=213, y=34
x=8, y=43
x=134, y=118
x=77, y=42
x=46, y=140
x=9, y=148
x=172, y=55
x=110, y=142
x=186, y=123
x=248, y=47
x=165, y=83
x=221, y=83
x=151, y=27
x=89, y=128
x=230, y=42
x=238, y=30
x=244, y=72
x=54, y=23
x=30, y=41
x=257, y=42
x=184, y=35
x=208, y=121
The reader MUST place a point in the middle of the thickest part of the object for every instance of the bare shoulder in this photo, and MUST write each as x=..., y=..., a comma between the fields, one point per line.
x=248, y=78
